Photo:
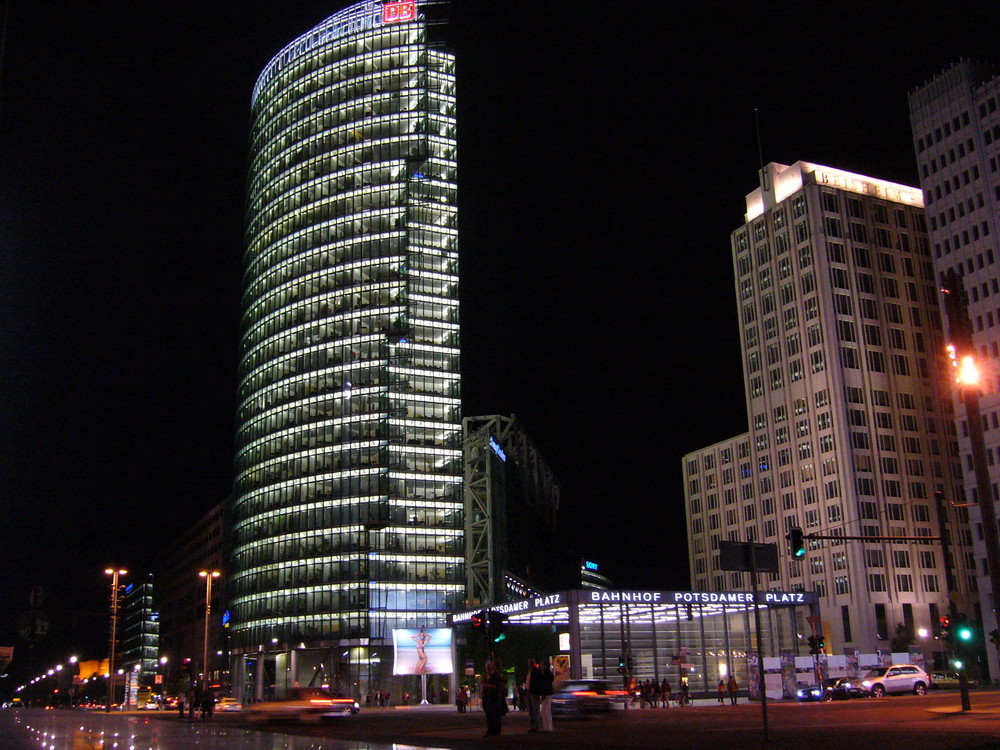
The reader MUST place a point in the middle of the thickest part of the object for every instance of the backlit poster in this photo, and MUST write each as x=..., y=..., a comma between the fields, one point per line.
x=423, y=651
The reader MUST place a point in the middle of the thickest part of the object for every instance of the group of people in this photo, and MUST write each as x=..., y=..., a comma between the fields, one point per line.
x=201, y=700
x=731, y=687
x=538, y=695
x=380, y=699
x=651, y=694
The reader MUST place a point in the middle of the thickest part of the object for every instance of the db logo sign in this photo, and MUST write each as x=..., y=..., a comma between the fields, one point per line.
x=396, y=12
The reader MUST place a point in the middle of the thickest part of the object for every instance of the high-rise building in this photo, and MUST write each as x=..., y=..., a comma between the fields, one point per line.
x=956, y=134
x=347, y=517
x=140, y=632
x=850, y=430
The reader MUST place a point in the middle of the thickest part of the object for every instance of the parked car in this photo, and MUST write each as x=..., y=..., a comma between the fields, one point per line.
x=949, y=681
x=228, y=704
x=303, y=704
x=579, y=697
x=897, y=678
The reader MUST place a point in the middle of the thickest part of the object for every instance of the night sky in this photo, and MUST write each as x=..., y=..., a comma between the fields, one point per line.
x=605, y=149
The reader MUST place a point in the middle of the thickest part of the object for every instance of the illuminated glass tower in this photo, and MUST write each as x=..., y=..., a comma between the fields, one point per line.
x=347, y=517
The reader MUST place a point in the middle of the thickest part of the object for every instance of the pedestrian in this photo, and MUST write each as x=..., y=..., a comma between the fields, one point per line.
x=194, y=703
x=685, y=692
x=733, y=689
x=180, y=705
x=532, y=683
x=722, y=691
x=494, y=695
x=368, y=700
x=387, y=699
x=545, y=697
x=207, y=704
x=654, y=689
x=406, y=699
x=665, y=693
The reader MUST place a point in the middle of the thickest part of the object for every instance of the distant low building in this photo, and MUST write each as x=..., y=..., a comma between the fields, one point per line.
x=591, y=579
x=181, y=601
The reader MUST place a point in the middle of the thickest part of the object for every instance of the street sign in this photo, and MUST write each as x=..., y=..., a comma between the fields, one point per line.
x=748, y=556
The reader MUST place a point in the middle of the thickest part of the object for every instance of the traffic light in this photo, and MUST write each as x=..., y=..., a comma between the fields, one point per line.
x=796, y=543
x=478, y=621
x=995, y=637
x=497, y=626
x=820, y=643
x=621, y=665
x=963, y=633
x=944, y=628
x=813, y=645
x=630, y=664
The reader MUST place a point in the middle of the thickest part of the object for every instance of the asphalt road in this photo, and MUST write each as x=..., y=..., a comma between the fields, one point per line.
x=933, y=722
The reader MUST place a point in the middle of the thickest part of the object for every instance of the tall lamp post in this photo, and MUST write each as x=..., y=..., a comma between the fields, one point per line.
x=115, y=603
x=208, y=575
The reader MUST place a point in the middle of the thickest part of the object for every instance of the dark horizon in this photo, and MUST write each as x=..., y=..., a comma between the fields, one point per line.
x=604, y=157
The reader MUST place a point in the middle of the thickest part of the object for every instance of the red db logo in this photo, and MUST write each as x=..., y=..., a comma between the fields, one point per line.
x=396, y=12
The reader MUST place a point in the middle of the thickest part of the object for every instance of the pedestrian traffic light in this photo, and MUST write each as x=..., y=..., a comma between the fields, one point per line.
x=944, y=628
x=813, y=645
x=497, y=626
x=621, y=665
x=630, y=664
x=796, y=543
x=820, y=643
x=478, y=621
x=995, y=637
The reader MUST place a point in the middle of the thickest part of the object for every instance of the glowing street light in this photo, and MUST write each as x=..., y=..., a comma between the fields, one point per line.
x=115, y=602
x=208, y=575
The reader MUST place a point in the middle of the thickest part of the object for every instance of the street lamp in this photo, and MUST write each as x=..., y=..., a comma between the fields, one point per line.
x=115, y=601
x=208, y=575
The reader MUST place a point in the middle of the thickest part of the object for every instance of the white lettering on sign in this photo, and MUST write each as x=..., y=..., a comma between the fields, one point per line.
x=625, y=596
x=711, y=597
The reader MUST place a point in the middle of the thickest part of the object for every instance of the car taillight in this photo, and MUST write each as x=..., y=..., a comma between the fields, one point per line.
x=321, y=701
x=583, y=692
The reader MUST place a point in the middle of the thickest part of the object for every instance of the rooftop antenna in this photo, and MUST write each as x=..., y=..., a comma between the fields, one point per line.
x=760, y=151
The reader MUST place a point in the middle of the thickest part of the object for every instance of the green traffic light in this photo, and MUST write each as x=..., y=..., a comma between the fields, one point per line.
x=965, y=634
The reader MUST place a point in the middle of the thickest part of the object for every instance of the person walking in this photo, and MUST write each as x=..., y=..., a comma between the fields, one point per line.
x=665, y=693
x=494, y=695
x=532, y=684
x=180, y=704
x=733, y=689
x=545, y=697
x=722, y=691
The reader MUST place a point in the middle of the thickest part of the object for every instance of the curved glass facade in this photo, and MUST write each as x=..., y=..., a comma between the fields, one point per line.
x=347, y=516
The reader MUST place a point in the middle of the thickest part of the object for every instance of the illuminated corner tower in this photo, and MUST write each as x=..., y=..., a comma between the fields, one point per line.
x=347, y=517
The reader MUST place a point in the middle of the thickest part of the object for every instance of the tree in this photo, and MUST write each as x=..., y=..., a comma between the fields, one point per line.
x=903, y=639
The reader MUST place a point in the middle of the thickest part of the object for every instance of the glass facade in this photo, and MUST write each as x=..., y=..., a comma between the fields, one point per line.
x=347, y=516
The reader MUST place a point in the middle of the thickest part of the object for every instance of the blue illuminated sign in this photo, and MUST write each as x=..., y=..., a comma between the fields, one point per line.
x=225, y=619
x=589, y=565
x=497, y=449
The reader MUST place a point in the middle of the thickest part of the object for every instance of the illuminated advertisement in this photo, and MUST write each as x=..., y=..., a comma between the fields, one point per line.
x=424, y=651
x=396, y=12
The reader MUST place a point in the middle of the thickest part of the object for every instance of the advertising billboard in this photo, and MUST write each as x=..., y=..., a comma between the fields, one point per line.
x=423, y=651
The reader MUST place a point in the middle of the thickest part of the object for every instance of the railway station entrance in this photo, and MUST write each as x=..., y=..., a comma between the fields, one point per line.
x=700, y=636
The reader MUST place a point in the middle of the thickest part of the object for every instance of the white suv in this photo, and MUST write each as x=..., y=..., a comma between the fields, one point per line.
x=897, y=678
